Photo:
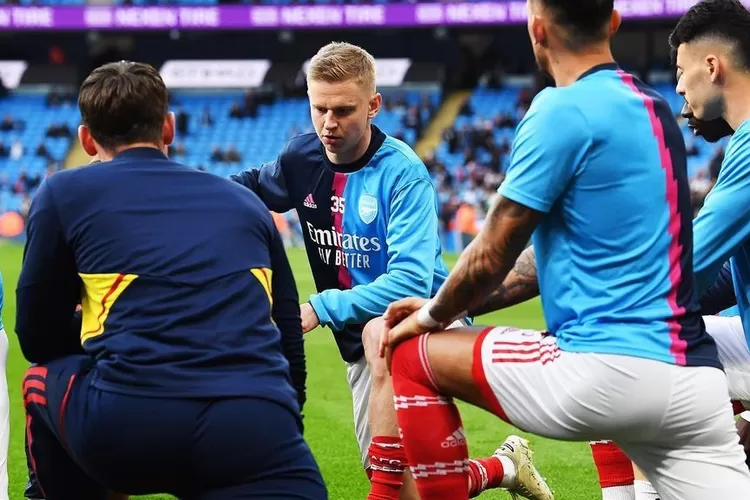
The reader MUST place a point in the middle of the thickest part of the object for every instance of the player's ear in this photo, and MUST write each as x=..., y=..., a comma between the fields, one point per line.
x=614, y=22
x=87, y=140
x=714, y=67
x=537, y=31
x=168, y=130
x=375, y=102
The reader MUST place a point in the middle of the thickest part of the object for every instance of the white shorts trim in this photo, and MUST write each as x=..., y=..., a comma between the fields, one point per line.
x=675, y=422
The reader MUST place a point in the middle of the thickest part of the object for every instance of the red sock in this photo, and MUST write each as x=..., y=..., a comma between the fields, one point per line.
x=430, y=425
x=387, y=463
x=485, y=474
x=613, y=466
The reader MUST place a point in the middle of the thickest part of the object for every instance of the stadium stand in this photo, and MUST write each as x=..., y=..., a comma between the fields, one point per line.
x=220, y=132
x=35, y=135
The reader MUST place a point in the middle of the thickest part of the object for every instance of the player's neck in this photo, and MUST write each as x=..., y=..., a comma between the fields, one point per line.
x=356, y=153
x=737, y=101
x=109, y=155
x=567, y=67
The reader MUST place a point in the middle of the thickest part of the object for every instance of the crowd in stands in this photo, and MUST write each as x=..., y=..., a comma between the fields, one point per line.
x=223, y=134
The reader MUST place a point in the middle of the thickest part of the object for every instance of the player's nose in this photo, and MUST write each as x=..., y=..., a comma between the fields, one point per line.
x=680, y=89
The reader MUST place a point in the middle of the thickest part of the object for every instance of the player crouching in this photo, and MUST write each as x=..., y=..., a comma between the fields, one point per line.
x=186, y=385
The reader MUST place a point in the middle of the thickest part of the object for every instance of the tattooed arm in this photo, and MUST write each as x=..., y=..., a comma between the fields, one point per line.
x=519, y=286
x=486, y=261
x=545, y=161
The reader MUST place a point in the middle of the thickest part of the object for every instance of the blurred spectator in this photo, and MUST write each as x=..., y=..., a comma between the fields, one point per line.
x=21, y=185
x=182, y=119
x=42, y=151
x=413, y=120
x=251, y=105
x=705, y=180
x=57, y=98
x=691, y=148
x=387, y=104
x=217, y=154
x=25, y=206
x=16, y=149
x=32, y=182
x=466, y=109
x=61, y=130
x=427, y=106
x=466, y=221
x=236, y=111
x=504, y=120
x=232, y=155
x=206, y=119
x=10, y=124
x=450, y=136
x=3, y=150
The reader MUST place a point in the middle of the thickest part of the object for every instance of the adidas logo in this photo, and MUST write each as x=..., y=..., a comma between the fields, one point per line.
x=309, y=202
x=456, y=439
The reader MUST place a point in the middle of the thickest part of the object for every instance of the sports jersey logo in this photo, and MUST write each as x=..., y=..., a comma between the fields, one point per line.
x=455, y=440
x=309, y=202
x=368, y=208
x=341, y=249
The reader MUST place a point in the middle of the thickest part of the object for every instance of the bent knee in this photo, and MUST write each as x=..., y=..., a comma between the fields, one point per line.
x=409, y=361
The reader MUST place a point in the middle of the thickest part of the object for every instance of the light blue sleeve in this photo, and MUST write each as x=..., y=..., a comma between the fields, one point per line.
x=412, y=242
x=723, y=224
x=550, y=145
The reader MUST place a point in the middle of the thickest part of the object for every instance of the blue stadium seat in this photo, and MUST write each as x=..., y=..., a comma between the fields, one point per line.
x=260, y=139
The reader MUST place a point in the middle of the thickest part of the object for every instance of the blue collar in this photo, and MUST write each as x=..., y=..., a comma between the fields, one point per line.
x=141, y=153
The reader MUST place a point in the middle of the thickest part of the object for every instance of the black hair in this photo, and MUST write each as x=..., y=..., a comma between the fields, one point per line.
x=585, y=21
x=726, y=20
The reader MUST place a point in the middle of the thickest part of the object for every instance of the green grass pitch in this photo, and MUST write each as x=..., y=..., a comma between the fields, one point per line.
x=328, y=413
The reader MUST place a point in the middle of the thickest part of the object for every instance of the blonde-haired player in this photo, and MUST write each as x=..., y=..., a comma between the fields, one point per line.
x=369, y=216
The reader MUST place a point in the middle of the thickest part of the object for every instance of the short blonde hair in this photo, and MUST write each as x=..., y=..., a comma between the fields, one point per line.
x=341, y=61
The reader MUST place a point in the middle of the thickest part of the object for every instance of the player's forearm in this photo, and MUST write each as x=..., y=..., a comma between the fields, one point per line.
x=487, y=260
x=520, y=285
x=337, y=308
x=286, y=315
x=268, y=183
x=720, y=295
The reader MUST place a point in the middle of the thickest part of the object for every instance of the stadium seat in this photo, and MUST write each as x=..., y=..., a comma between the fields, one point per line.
x=259, y=139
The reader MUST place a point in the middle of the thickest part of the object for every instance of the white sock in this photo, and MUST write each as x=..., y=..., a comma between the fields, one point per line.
x=618, y=493
x=509, y=472
x=644, y=491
